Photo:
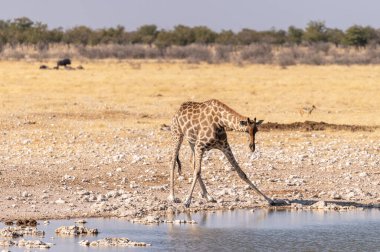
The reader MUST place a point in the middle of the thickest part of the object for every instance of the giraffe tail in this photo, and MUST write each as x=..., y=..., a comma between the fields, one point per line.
x=179, y=165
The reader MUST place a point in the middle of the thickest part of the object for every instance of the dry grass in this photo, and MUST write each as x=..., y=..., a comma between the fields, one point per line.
x=149, y=94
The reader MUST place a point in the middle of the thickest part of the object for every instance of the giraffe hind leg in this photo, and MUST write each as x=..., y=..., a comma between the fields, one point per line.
x=179, y=165
x=177, y=141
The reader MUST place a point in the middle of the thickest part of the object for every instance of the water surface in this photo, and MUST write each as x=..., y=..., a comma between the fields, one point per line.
x=239, y=230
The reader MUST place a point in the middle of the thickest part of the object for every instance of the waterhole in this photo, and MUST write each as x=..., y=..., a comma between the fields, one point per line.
x=239, y=230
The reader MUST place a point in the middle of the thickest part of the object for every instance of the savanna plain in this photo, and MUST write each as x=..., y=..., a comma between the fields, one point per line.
x=96, y=142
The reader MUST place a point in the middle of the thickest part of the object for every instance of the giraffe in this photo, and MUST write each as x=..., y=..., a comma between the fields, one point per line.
x=204, y=126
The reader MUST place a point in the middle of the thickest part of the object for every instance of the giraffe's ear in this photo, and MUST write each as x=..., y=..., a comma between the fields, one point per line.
x=243, y=123
x=259, y=122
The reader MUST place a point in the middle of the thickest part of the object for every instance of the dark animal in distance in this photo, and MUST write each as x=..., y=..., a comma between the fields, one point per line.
x=44, y=67
x=63, y=62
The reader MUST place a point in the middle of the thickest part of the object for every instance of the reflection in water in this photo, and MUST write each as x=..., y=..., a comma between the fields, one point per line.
x=240, y=230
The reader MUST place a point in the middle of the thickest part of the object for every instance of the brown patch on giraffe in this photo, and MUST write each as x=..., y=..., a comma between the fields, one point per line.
x=190, y=131
x=204, y=123
x=203, y=116
x=209, y=132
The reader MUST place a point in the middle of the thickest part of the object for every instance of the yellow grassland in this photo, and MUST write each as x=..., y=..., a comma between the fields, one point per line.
x=147, y=93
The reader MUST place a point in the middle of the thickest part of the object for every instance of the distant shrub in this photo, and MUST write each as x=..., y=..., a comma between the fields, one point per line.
x=286, y=58
x=257, y=54
x=1, y=47
x=312, y=58
x=118, y=52
x=340, y=57
x=240, y=55
x=193, y=53
x=176, y=52
x=320, y=47
x=223, y=53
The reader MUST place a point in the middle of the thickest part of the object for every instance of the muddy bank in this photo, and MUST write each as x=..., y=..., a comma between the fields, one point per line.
x=315, y=126
x=306, y=126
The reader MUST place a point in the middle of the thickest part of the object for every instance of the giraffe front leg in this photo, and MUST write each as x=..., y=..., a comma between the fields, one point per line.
x=204, y=191
x=227, y=151
x=196, y=176
x=201, y=183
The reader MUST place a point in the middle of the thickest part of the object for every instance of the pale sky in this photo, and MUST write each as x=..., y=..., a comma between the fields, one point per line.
x=216, y=14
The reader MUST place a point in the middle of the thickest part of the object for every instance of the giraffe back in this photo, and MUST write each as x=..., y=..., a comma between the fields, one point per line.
x=199, y=121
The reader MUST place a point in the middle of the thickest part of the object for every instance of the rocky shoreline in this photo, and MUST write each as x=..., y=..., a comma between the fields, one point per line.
x=124, y=172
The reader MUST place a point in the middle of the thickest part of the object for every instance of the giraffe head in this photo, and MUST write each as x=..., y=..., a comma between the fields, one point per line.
x=251, y=130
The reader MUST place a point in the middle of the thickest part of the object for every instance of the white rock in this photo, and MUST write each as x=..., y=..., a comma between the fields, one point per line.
x=25, y=194
x=101, y=197
x=68, y=177
x=363, y=174
x=350, y=195
x=75, y=230
x=319, y=205
x=136, y=158
x=336, y=195
x=133, y=185
x=60, y=201
x=26, y=141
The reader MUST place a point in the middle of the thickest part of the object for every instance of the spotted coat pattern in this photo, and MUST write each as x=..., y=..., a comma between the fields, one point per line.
x=203, y=125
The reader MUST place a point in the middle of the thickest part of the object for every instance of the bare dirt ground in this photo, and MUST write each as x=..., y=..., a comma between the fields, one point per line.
x=71, y=145
x=124, y=171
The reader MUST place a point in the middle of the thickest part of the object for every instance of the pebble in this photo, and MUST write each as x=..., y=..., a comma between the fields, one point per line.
x=319, y=205
x=335, y=195
x=68, y=178
x=133, y=185
x=25, y=194
x=363, y=174
x=60, y=201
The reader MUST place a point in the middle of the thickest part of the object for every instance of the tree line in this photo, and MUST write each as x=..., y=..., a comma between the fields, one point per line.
x=23, y=31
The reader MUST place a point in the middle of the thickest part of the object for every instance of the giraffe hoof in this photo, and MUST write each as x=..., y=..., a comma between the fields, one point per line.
x=208, y=198
x=173, y=199
x=187, y=203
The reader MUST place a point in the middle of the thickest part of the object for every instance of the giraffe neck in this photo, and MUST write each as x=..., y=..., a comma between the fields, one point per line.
x=232, y=119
